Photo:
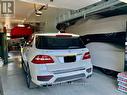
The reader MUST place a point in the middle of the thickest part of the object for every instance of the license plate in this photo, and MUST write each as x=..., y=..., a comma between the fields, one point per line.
x=68, y=59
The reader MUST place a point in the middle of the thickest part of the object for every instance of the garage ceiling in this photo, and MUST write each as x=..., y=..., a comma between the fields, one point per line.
x=22, y=10
x=119, y=11
x=25, y=8
x=69, y=4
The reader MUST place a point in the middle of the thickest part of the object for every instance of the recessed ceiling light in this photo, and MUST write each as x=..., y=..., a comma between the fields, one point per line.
x=126, y=43
x=21, y=25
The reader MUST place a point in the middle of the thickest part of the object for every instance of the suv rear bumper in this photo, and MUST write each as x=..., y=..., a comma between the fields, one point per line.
x=64, y=77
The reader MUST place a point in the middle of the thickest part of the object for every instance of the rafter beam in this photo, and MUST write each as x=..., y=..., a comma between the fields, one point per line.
x=104, y=4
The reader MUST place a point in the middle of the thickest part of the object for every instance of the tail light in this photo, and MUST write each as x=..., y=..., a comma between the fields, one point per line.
x=44, y=78
x=42, y=59
x=86, y=56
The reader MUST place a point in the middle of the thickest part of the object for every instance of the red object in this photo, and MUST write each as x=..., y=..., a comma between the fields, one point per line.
x=18, y=32
x=44, y=78
x=42, y=59
x=86, y=55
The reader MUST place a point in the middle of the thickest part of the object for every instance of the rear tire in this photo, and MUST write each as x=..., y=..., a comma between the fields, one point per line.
x=29, y=82
x=23, y=66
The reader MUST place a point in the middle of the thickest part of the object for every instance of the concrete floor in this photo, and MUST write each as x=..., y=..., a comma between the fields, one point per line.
x=13, y=83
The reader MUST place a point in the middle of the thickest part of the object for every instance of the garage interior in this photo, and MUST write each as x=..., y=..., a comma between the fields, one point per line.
x=102, y=26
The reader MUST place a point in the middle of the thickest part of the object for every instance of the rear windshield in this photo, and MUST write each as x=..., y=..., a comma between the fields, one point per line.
x=44, y=42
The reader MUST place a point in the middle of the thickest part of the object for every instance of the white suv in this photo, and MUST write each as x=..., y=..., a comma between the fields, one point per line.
x=55, y=58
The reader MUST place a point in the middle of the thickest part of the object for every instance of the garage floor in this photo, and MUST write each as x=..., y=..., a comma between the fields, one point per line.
x=13, y=83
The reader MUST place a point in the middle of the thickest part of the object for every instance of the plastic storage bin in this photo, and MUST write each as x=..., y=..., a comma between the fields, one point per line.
x=122, y=82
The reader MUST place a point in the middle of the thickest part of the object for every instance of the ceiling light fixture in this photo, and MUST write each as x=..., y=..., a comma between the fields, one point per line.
x=125, y=1
x=38, y=12
x=21, y=25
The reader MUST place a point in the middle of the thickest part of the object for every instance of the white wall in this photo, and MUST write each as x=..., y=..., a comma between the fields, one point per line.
x=107, y=55
x=103, y=55
x=106, y=25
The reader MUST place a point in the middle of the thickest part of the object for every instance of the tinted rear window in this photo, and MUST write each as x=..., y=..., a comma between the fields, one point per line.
x=44, y=42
